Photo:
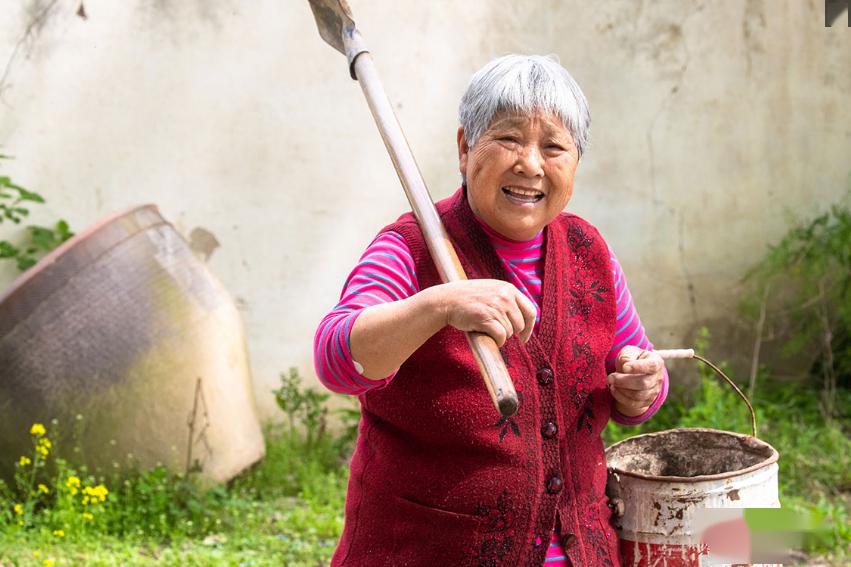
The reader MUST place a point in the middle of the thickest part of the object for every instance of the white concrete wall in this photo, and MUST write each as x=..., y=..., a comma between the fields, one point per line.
x=713, y=122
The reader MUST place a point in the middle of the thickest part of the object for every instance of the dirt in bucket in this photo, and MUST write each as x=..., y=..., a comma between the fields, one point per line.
x=688, y=453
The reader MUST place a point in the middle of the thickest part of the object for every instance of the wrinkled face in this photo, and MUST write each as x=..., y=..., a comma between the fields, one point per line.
x=520, y=172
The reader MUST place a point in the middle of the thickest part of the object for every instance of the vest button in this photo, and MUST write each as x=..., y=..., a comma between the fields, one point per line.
x=568, y=540
x=549, y=430
x=545, y=376
x=554, y=485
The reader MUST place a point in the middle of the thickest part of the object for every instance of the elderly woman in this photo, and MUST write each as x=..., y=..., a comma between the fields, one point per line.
x=437, y=478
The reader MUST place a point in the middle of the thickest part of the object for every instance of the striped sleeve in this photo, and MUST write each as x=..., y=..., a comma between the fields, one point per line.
x=629, y=331
x=384, y=273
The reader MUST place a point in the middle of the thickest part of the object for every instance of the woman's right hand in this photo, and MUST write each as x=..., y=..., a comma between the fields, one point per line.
x=494, y=307
x=385, y=335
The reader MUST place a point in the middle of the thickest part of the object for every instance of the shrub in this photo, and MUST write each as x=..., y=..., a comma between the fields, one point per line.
x=800, y=294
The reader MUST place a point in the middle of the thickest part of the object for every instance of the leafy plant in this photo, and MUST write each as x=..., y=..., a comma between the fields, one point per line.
x=40, y=240
x=301, y=448
x=163, y=504
x=349, y=416
x=304, y=407
x=801, y=292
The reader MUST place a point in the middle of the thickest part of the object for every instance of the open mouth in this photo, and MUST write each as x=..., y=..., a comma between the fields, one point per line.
x=522, y=196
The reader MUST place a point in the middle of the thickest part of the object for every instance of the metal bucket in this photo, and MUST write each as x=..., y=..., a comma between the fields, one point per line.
x=664, y=479
x=661, y=484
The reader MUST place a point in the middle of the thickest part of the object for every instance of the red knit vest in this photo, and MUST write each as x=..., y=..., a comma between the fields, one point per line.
x=438, y=478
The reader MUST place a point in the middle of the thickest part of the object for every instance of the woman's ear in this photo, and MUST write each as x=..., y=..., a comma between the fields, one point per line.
x=463, y=151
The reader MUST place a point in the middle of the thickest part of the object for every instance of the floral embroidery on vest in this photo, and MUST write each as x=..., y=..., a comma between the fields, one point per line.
x=586, y=417
x=595, y=534
x=498, y=528
x=600, y=542
x=583, y=292
x=508, y=423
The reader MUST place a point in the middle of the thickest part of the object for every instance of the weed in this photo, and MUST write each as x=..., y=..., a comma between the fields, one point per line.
x=304, y=408
x=39, y=239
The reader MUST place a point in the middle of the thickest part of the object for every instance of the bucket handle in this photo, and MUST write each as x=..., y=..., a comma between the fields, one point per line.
x=689, y=353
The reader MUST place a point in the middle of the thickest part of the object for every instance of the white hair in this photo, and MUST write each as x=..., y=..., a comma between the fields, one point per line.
x=525, y=84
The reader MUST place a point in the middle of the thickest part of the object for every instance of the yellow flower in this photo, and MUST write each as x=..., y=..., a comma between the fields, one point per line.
x=87, y=516
x=59, y=533
x=37, y=429
x=43, y=488
x=19, y=510
x=45, y=442
x=20, y=522
x=48, y=563
x=43, y=451
x=24, y=461
x=85, y=500
x=36, y=553
x=96, y=494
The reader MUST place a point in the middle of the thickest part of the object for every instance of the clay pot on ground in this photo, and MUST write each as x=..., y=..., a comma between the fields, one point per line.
x=124, y=326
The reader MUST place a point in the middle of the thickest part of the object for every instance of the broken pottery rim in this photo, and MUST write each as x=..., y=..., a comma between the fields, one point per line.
x=771, y=459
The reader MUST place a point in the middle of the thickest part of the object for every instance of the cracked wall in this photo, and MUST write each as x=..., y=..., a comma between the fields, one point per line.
x=713, y=123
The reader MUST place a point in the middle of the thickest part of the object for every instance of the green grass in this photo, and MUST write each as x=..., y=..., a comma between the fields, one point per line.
x=288, y=510
x=277, y=531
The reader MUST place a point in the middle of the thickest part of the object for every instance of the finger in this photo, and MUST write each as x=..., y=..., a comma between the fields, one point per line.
x=639, y=382
x=637, y=395
x=627, y=354
x=634, y=397
x=634, y=407
x=518, y=323
x=648, y=364
x=504, y=319
x=643, y=396
x=529, y=312
x=496, y=330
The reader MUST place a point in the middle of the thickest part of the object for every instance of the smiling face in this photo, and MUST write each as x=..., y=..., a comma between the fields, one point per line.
x=519, y=173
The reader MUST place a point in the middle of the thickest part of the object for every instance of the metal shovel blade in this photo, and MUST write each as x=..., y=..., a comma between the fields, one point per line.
x=334, y=19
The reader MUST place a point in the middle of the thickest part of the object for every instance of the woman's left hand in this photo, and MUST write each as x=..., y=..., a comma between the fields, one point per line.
x=637, y=380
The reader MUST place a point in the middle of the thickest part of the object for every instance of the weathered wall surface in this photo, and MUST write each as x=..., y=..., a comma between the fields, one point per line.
x=713, y=122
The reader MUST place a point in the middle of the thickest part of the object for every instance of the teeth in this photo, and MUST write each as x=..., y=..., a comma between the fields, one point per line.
x=523, y=192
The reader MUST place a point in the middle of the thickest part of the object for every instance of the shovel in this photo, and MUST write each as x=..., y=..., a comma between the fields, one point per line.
x=337, y=28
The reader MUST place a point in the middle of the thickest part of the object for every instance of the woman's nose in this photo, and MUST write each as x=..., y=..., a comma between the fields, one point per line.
x=529, y=162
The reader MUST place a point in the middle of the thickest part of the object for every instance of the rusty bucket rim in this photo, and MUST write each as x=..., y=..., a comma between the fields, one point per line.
x=770, y=460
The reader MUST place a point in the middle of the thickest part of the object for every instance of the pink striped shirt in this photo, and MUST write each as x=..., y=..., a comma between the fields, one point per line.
x=386, y=272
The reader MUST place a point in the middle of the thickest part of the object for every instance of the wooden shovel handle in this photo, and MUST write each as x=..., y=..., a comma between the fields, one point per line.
x=484, y=348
